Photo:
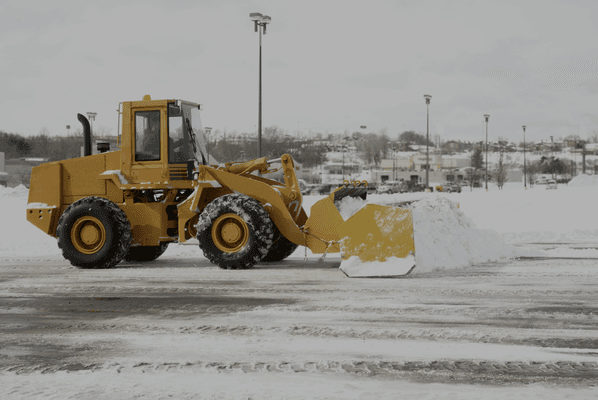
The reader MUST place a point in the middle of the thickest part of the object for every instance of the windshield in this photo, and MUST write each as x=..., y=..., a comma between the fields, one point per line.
x=186, y=136
x=193, y=126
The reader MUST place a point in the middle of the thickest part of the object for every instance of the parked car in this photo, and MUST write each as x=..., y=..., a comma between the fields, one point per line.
x=322, y=189
x=541, y=181
x=415, y=187
x=391, y=187
x=372, y=187
x=551, y=184
x=464, y=183
x=449, y=187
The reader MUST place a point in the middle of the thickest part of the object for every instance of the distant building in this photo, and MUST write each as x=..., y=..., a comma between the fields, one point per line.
x=337, y=172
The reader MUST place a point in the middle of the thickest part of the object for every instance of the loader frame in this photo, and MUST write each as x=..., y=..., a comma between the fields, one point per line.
x=162, y=194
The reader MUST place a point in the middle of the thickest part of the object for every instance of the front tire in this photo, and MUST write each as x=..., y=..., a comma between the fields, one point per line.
x=235, y=232
x=146, y=253
x=93, y=232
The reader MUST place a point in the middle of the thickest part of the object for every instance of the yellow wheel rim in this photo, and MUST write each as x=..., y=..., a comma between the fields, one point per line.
x=230, y=233
x=88, y=235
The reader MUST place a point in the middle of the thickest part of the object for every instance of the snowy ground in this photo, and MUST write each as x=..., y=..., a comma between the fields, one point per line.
x=536, y=215
x=181, y=328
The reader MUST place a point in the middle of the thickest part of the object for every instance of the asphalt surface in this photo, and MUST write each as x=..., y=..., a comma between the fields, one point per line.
x=532, y=321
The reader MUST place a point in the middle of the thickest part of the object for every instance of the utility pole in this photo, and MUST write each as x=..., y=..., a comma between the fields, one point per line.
x=486, y=116
x=524, y=163
x=260, y=21
x=428, y=98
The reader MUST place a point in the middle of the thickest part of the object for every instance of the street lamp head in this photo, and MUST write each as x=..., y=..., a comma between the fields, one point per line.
x=523, y=126
x=265, y=21
x=486, y=116
x=260, y=20
x=256, y=18
x=428, y=98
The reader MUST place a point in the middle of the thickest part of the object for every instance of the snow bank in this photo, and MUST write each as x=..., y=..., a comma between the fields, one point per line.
x=444, y=237
x=584, y=180
x=19, y=191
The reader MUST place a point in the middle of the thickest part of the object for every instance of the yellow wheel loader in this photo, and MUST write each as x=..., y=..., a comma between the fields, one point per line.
x=160, y=188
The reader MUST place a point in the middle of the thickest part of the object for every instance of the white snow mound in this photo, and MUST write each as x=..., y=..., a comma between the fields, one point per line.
x=444, y=237
x=19, y=191
x=584, y=180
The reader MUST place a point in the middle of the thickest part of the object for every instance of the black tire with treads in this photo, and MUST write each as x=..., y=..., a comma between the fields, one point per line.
x=243, y=214
x=93, y=232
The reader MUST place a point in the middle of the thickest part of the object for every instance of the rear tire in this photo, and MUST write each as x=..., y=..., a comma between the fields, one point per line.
x=281, y=248
x=93, y=232
x=146, y=253
x=235, y=232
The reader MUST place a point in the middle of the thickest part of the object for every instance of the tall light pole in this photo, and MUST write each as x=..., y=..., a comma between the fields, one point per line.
x=524, y=163
x=208, y=131
x=260, y=21
x=428, y=98
x=92, y=117
x=486, y=116
x=394, y=164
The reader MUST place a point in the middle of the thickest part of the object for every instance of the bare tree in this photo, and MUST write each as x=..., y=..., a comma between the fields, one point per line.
x=476, y=163
x=500, y=171
x=374, y=146
x=533, y=168
x=101, y=131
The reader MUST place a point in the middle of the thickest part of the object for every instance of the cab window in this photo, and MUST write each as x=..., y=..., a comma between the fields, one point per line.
x=147, y=135
x=179, y=146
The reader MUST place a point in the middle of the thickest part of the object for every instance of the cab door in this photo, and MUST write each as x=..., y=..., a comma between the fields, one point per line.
x=149, y=144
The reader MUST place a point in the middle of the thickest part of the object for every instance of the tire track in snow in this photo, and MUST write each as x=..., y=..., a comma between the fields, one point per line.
x=471, y=371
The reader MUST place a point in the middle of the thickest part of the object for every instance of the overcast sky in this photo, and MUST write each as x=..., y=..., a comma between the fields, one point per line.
x=328, y=66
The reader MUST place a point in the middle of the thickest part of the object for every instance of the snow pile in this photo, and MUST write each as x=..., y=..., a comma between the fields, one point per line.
x=19, y=191
x=348, y=206
x=584, y=180
x=444, y=237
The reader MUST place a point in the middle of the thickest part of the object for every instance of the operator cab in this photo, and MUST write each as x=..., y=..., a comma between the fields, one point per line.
x=164, y=139
x=185, y=136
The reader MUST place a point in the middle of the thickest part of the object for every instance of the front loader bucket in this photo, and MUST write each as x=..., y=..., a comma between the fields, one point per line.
x=377, y=241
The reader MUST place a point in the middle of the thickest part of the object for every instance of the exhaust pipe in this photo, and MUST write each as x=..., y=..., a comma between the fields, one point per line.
x=86, y=134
